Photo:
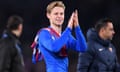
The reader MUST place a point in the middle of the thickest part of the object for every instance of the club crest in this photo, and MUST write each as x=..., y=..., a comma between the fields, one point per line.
x=110, y=49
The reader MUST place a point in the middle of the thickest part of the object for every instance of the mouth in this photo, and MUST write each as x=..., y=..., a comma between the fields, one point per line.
x=59, y=20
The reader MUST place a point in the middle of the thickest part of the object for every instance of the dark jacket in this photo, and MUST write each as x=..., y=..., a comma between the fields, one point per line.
x=100, y=55
x=11, y=59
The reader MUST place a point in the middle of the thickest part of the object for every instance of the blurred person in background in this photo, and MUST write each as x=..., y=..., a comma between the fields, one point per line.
x=11, y=58
x=101, y=53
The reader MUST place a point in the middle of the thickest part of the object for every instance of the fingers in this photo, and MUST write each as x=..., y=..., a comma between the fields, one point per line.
x=70, y=23
x=76, y=23
x=73, y=21
x=76, y=13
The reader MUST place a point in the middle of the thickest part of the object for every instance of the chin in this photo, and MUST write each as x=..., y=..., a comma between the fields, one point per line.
x=60, y=24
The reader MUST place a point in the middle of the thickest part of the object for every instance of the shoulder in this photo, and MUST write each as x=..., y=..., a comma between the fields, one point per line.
x=6, y=43
x=92, y=46
x=43, y=32
x=5, y=40
x=112, y=46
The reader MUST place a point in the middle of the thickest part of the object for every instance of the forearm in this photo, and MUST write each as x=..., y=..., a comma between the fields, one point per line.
x=81, y=41
x=60, y=42
x=84, y=62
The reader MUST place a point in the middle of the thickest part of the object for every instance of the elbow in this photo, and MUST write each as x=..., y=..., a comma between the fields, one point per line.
x=83, y=48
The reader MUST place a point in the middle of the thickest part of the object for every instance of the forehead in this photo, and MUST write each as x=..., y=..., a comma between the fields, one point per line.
x=109, y=25
x=57, y=9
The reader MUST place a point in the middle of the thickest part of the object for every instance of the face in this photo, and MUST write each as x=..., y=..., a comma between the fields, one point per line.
x=20, y=28
x=109, y=31
x=56, y=16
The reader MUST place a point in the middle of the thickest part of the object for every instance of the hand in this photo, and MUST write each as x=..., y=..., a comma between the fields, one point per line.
x=75, y=19
x=70, y=23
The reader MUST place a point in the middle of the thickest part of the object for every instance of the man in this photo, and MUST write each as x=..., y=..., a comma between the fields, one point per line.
x=101, y=54
x=54, y=44
x=11, y=59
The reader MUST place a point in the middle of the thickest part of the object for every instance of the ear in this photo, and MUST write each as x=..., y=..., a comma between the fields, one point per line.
x=48, y=15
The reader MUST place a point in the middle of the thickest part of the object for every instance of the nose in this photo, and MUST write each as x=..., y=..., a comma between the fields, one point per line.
x=59, y=15
x=113, y=32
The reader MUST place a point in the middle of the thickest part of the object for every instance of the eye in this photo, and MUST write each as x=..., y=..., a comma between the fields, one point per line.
x=55, y=13
x=61, y=13
x=112, y=29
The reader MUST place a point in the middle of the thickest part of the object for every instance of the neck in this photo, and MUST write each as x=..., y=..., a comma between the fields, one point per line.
x=16, y=33
x=57, y=28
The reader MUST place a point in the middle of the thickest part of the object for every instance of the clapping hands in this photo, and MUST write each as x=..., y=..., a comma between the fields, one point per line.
x=73, y=21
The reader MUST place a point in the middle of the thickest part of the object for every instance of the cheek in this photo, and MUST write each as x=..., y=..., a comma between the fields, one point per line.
x=63, y=16
x=107, y=33
x=110, y=33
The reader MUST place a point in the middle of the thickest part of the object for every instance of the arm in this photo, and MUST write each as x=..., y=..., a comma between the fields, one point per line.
x=2, y=55
x=81, y=42
x=51, y=44
x=86, y=59
x=78, y=44
x=117, y=65
x=117, y=69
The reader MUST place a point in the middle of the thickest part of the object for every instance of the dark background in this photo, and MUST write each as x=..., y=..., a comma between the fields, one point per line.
x=33, y=13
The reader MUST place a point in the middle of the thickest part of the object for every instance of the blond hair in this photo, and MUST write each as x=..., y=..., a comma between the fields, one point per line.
x=54, y=4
